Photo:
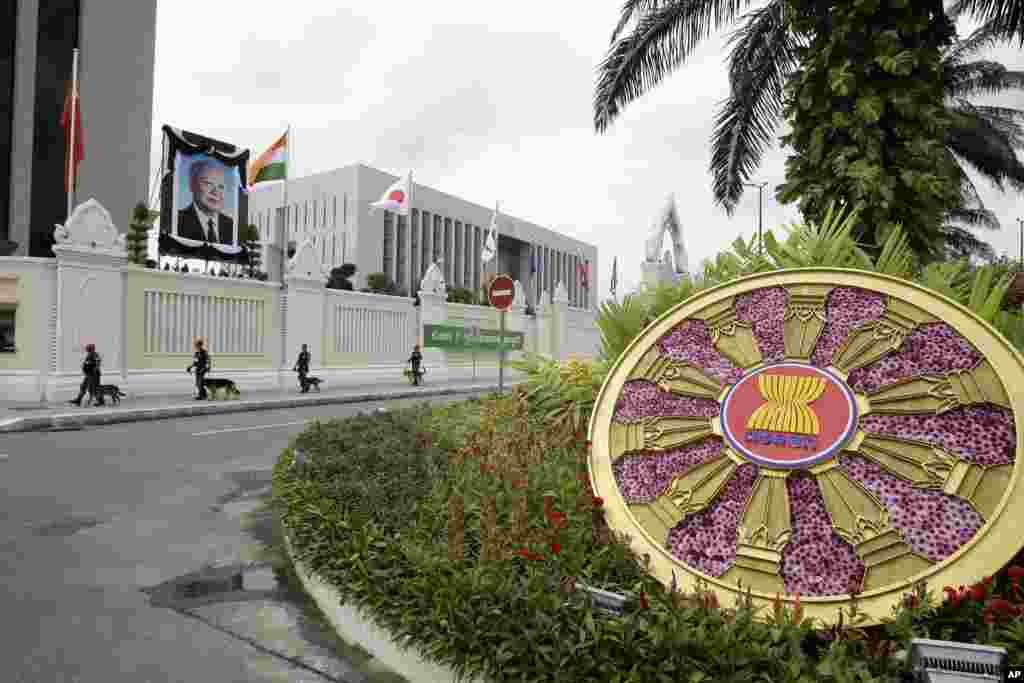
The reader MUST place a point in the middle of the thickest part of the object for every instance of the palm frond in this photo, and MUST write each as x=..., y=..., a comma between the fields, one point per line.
x=950, y=278
x=662, y=40
x=960, y=243
x=764, y=54
x=981, y=77
x=986, y=36
x=1006, y=15
x=981, y=145
x=633, y=10
x=896, y=257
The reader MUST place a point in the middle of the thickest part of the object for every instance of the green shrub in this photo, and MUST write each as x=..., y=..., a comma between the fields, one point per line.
x=511, y=620
x=378, y=283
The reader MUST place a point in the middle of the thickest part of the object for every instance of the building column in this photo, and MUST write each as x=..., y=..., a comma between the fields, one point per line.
x=23, y=125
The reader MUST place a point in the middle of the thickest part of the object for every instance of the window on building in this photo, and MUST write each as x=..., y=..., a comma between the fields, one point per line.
x=477, y=246
x=438, y=236
x=400, y=242
x=414, y=249
x=57, y=37
x=389, y=237
x=426, y=239
x=448, y=249
x=457, y=254
x=467, y=267
x=7, y=327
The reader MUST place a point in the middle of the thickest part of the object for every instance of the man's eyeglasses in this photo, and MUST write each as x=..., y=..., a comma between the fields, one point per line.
x=211, y=187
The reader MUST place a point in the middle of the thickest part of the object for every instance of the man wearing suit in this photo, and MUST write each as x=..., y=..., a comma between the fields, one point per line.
x=202, y=220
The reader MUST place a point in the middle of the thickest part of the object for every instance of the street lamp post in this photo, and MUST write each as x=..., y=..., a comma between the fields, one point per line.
x=760, y=214
x=1020, y=240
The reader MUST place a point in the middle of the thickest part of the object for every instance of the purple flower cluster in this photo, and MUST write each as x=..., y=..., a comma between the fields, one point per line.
x=932, y=349
x=641, y=398
x=706, y=540
x=643, y=477
x=982, y=434
x=846, y=309
x=764, y=310
x=932, y=523
x=690, y=341
x=816, y=561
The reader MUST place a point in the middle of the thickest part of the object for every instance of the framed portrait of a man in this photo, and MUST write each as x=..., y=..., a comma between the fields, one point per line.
x=205, y=200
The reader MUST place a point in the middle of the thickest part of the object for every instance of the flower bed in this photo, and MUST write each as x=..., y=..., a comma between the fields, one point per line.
x=370, y=514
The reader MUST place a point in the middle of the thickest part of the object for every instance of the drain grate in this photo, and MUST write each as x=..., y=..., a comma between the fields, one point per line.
x=69, y=526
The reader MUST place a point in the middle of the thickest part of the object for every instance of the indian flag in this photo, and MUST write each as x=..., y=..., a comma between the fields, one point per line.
x=272, y=165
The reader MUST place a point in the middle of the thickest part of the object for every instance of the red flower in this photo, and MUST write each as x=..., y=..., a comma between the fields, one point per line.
x=1016, y=573
x=556, y=547
x=598, y=501
x=978, y=592
x=589, y=443
x=911, y=601
x=643, y=601
x=952, y=596
x=987, y=581
x=558, y=520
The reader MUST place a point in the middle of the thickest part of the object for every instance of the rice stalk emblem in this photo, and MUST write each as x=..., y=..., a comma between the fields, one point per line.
x=787, y=404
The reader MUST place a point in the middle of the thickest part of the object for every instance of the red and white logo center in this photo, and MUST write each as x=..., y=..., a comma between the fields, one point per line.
x=789, y=415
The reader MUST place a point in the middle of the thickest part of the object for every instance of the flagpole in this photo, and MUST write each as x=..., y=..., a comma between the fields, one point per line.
x=71, y=124
x=284, y=203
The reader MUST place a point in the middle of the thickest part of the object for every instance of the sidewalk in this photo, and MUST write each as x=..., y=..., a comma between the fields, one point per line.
x=29, y=417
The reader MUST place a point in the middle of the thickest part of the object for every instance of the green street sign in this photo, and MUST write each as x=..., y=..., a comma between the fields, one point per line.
x=459, y=338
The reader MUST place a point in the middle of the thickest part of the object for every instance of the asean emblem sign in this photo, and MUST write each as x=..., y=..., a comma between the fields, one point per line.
x=815, y=432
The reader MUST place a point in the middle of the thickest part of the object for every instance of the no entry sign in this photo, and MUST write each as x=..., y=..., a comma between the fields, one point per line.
x=501, y=292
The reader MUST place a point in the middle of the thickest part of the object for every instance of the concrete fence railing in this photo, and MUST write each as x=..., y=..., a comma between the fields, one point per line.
x=144, y=321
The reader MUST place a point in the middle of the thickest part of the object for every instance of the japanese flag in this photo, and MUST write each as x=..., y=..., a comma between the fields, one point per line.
x=396, y=197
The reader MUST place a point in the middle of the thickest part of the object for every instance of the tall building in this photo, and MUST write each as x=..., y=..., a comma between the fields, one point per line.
x=116, y=42
x=335, y=204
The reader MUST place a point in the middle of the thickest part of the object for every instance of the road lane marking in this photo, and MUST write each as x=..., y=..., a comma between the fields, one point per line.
x=229, y=430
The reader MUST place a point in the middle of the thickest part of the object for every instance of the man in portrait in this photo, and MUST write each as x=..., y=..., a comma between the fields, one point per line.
x=204, y=219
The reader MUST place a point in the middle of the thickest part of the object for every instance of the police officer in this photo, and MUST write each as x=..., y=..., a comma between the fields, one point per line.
x=91, y=379
x=201, y=364
x=302, y=367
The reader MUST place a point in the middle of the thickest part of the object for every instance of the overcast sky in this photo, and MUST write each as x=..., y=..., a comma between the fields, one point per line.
x=485, y=101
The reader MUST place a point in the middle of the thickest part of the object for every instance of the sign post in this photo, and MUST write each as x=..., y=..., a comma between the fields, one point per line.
x=501, y=293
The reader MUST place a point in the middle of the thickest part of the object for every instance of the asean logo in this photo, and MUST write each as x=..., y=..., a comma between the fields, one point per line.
x=789, y=415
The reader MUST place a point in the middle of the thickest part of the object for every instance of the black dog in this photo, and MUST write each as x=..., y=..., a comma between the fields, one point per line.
x=113, y=391
x=225, y=385
x=310, y=382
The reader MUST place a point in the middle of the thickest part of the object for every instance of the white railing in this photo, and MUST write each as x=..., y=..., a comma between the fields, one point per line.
x=230, y=325
x=371, y=324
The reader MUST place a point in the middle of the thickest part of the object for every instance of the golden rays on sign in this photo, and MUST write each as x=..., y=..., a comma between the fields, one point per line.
x=787, y=408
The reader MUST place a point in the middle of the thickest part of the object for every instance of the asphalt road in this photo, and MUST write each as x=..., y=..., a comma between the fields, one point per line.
x=89, y=518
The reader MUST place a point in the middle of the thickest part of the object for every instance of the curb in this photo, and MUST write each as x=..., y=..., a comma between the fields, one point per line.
x=43, y=422
x=355, y=627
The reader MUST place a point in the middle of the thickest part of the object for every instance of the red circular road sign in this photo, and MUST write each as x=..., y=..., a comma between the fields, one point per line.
x=501, y=292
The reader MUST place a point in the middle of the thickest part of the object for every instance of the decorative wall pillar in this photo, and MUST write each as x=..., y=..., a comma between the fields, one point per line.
x=91, y=261
x=306, y=279
x=560, y=327
x=433, y=311
x=543, y=325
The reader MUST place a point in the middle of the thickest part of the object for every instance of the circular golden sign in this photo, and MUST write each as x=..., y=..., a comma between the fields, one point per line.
x=814, y=432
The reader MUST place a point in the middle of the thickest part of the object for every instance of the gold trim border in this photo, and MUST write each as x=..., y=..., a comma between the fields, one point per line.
x=983, y=555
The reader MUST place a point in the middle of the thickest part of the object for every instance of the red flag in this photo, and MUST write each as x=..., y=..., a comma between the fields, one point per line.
x=71, y=169
x=584, y=272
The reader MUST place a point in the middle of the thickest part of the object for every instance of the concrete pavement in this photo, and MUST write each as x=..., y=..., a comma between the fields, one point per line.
x=93, y=517
x=27, y=417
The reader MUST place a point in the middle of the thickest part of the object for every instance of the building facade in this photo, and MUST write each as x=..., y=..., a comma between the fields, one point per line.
x=117, y=45
x=335, y=205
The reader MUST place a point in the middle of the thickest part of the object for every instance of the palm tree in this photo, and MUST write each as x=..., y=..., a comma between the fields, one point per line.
x=764, y=54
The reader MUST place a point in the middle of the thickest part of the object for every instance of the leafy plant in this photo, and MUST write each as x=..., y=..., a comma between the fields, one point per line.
x=138, y=234
x=250, y=238
x=379, y=283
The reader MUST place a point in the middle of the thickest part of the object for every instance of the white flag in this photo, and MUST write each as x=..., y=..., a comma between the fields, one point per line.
x=490, y=249
x=396, y=197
